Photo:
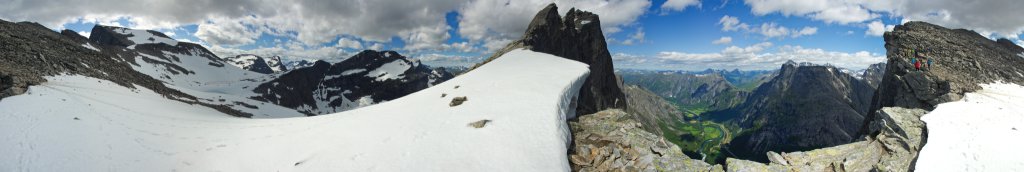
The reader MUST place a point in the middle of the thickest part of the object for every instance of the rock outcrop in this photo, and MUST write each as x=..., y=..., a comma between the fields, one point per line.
x=804, y=107
x=364, y=79
x=578, y=37
x=901, y=136
x=611, y=141
x=962, y=59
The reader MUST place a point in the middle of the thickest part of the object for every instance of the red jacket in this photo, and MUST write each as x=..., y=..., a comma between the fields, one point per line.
x=917, y=64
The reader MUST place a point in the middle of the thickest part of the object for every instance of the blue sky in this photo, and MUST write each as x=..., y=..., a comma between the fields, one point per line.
x=642, y=34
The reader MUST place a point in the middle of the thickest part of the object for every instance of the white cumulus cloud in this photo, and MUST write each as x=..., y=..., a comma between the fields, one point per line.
x=723, y=40
x=678, y=5
x=877, y=28
x=349, y=43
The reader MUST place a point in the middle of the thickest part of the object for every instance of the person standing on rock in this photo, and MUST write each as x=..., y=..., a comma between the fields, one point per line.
x=917, y=64
x=929, y=63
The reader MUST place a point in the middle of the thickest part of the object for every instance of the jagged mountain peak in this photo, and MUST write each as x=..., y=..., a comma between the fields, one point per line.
x=576, y=36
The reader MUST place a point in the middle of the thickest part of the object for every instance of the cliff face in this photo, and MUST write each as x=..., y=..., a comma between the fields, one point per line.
x=802, y=108
x=962, y=60
x=577, y=36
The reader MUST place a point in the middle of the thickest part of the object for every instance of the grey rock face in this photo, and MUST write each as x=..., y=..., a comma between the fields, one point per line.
x=873, y=74
x=962, y=60
x=804, y=107
x=577, y=36
x=611, y=141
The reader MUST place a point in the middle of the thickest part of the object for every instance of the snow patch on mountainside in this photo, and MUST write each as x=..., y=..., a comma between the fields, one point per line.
x=982, y=132
x=352, y=71
x=89, y=46
x=392, y=70
x=144, y=37
x=244, y=60
x=76, y=123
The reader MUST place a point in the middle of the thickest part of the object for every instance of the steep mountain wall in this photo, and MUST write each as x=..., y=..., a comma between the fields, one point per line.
x=578, y=37
x=802, y=108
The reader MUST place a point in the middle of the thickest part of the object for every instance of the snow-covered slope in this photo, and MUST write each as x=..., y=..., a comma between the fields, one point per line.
x=75, y=123
x=982, y=132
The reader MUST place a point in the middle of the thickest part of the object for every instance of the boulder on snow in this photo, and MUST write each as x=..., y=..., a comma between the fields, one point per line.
x=479, y=124
x=457, y=101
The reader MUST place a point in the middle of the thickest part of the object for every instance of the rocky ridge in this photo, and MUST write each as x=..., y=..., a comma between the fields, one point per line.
x=962, y=60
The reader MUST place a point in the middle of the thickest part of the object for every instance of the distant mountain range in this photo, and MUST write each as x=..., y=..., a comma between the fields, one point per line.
x=708, y=90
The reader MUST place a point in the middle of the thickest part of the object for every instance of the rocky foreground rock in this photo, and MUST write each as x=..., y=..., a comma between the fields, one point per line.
x=577, y=36
x=611, y=140
x=900, y=138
